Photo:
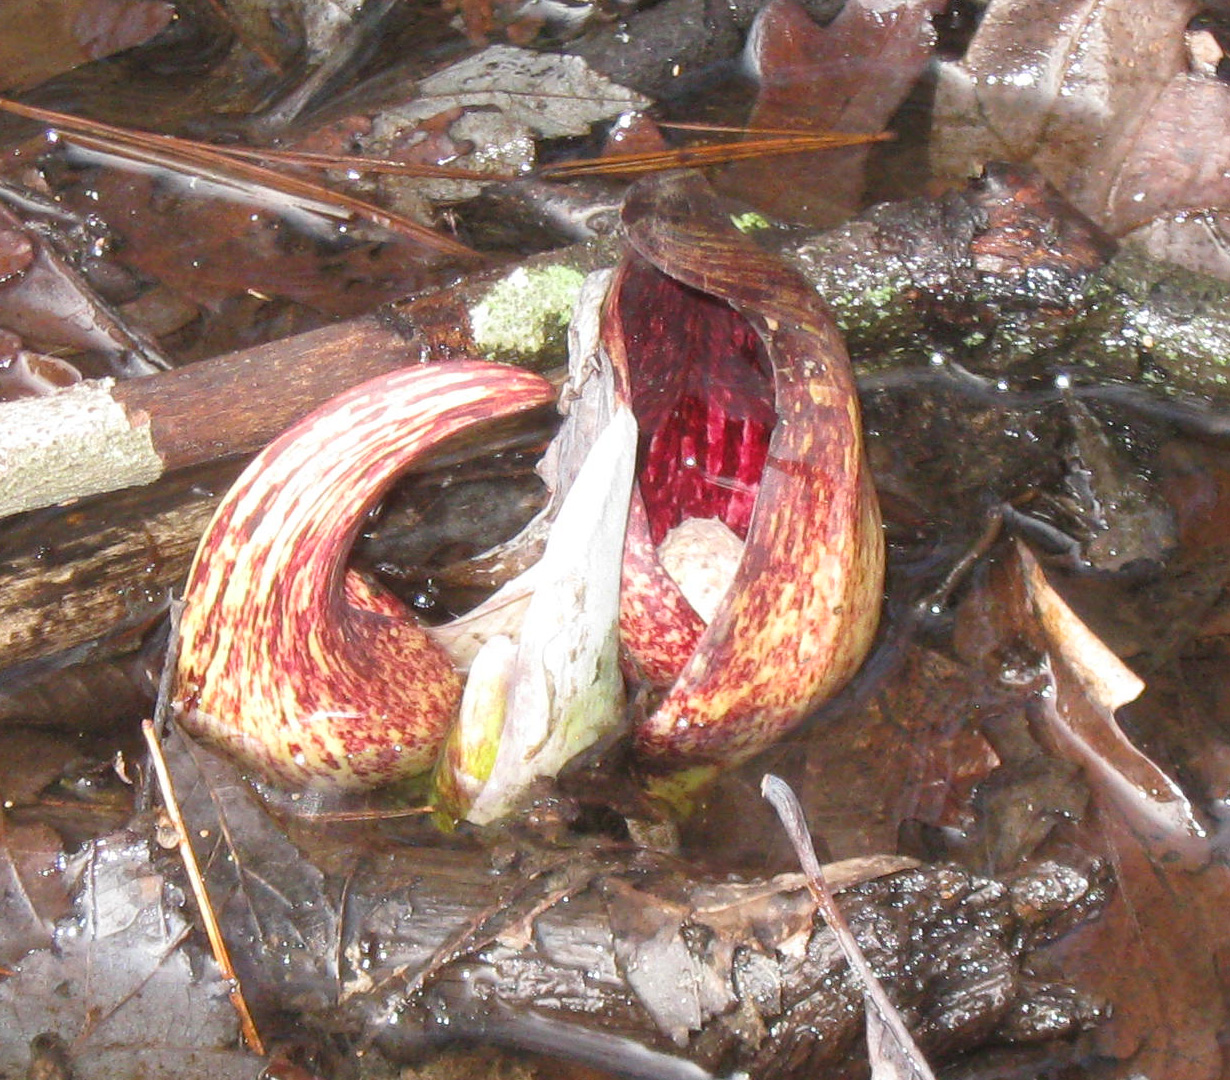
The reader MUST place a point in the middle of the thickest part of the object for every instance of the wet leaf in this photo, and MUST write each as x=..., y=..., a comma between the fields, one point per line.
x=119, y=988
x=29, y=374
x=1163, y=928
x=1050, y=82
x=39, y=39
x=1090, y=683
x=33, y=894
x=497, y=102
x=912, y=755
x=51, y=305
x=16, y=252
x=1097, y=94
x=267, y=895
x=1166, y=932
x=210, y=250
x=103, y=27
x=850, y=75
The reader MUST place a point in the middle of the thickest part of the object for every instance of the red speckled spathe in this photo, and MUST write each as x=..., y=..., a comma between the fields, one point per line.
x=286, y=658
x=803, y=607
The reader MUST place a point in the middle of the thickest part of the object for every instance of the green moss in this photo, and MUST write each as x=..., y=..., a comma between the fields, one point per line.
x=750, y=221
x=526, y=314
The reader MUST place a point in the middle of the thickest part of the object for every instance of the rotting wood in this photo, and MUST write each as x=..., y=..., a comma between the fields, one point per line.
x=106, y=566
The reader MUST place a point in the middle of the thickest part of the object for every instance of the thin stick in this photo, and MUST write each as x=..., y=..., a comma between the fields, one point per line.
x=312, y=160
x=783, y=800
x=736, y=129
x=222, y=956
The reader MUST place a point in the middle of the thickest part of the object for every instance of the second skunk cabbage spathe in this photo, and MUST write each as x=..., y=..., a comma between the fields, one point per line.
x=748, y=416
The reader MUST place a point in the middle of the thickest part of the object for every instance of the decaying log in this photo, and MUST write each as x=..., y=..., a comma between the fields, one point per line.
x=621, y=957
x=646, y=966
x=1008, y=279
x=104, y=567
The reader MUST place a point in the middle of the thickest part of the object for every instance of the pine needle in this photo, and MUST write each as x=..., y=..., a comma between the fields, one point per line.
x=228, y=169
x=773, y=143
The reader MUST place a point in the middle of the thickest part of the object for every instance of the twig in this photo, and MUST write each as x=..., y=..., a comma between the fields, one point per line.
x=705, y=155
x=217, y=944
x=783, y=800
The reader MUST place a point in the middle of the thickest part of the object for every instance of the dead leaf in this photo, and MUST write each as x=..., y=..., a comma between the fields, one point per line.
x=850, y=75
x=1098, y=95
x=266, y=894
x=1158, y=955
x=119, y=988
x=503, y=97
x=1055, y=84
x=33, y=893
x=51, y=305
x=39, y=39
x=103, y=27
x=1077, y=716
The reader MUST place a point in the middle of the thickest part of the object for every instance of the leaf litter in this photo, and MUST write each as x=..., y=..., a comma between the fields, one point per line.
x=119, y=987
x=1107, y=98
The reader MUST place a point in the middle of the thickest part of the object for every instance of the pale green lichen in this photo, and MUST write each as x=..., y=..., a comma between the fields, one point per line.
x=525, y=315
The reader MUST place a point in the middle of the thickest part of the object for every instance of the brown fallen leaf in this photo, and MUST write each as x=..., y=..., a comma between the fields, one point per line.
x=103, y=27
x=850, y=75
x=1088, y=683
x=1157, y=953
x=52, y=306
x=1101, y=96
x=33, y=893
x=39, y=39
